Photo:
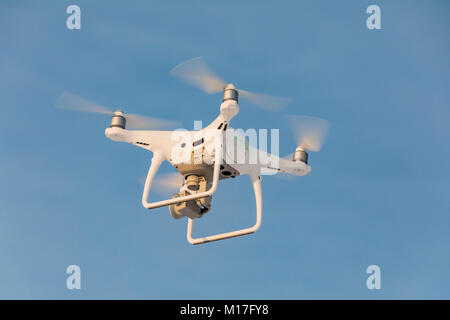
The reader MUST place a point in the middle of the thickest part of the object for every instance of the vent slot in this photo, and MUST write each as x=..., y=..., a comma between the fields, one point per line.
x=198, y=142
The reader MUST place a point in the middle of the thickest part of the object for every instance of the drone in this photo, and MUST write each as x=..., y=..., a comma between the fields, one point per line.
x=204, y=157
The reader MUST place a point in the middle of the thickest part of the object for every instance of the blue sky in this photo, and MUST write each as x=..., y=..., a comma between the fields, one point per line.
x=378, y=192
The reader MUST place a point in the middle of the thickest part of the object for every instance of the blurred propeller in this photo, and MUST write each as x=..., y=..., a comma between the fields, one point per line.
x=71, y=101
x=196, y=72
x=309, y=132
x=267, y=102
x=166, y=183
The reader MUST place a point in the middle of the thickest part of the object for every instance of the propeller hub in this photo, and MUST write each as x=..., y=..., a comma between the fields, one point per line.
x=301, y=155
x=230, y=93
x=118, y=119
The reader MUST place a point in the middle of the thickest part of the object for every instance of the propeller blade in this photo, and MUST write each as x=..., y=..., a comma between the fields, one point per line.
x=166, y=183
x=309, y=132
x=264, y=101
x=71, y=101
x=135, y=121
x=196, y=72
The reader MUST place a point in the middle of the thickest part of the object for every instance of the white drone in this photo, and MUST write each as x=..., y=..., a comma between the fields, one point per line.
x=204, y=157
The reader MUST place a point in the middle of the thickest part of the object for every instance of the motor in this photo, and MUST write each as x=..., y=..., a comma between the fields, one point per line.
x=118, y=119
x=300, y=155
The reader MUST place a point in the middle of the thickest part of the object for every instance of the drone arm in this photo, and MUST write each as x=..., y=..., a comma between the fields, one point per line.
x=256, y=180
x=157, y=159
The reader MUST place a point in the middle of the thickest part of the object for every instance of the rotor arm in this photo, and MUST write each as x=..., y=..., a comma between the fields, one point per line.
x=256, y=181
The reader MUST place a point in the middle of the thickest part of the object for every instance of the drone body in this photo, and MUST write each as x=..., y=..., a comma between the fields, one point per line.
x=206, y=156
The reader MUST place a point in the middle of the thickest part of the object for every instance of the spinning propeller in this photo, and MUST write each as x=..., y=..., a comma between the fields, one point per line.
x=196, y=72
x=71, y=101
x=309, y=132
x=166, y=183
